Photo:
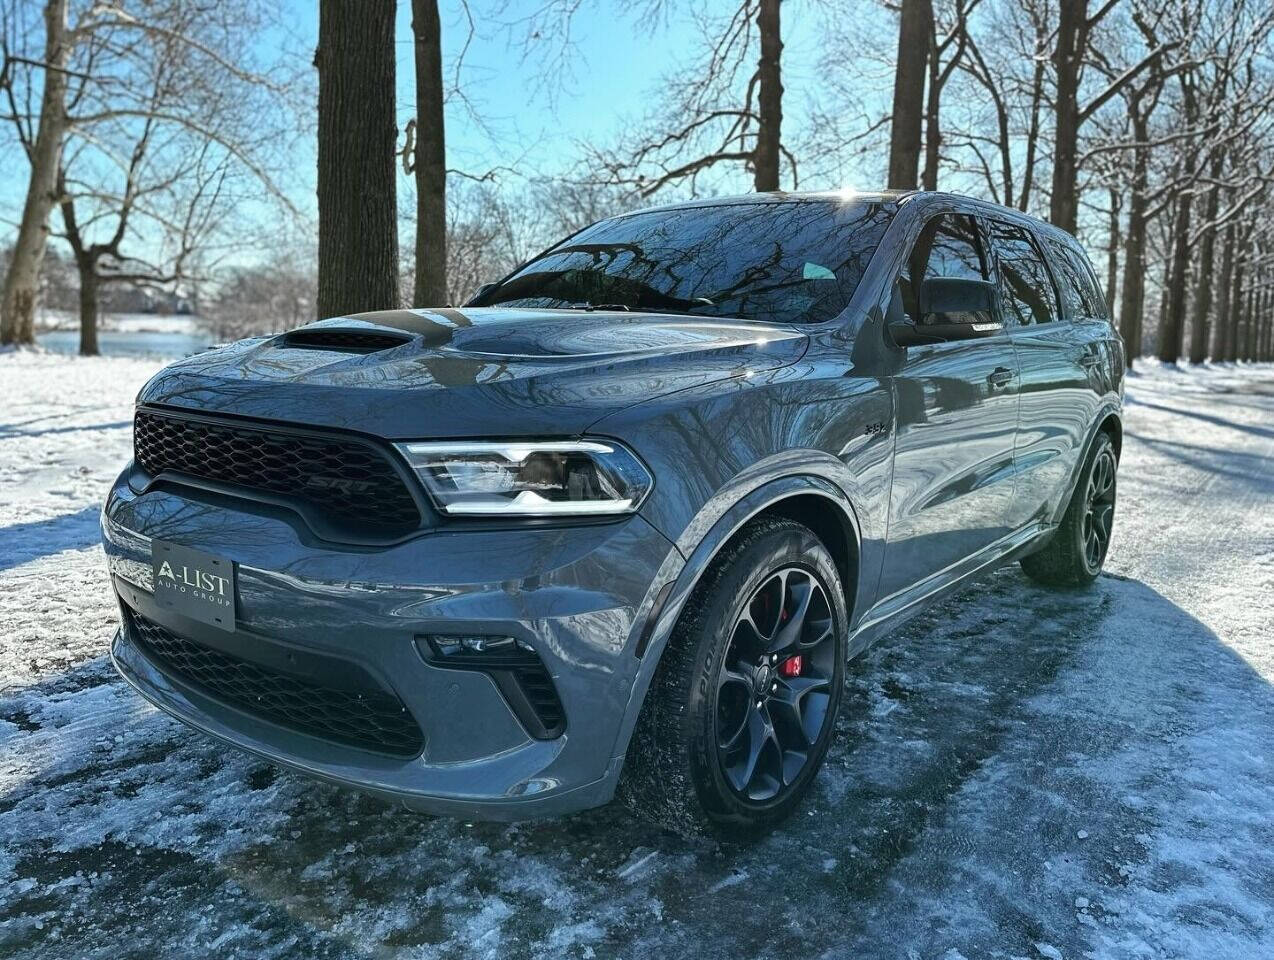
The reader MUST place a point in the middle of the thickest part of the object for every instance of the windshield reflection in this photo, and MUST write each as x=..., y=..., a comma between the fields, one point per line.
x=783, y=261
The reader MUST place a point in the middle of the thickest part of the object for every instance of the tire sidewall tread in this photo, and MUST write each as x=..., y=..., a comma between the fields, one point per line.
x=671, y=775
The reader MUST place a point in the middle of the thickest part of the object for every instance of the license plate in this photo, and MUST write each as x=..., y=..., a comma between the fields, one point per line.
x=193, y=583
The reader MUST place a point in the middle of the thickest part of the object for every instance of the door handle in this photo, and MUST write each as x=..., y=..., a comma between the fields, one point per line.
x=1089, y=360
x=999, y=377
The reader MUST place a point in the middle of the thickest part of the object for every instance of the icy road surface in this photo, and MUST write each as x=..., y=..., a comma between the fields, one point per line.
x=1017, y=774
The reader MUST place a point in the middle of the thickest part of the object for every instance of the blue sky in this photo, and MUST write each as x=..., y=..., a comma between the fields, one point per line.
x=616, y=68
x=529, y=122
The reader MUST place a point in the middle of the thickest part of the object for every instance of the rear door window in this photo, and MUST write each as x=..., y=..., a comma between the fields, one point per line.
x=1026, y=291
x=1081, y=297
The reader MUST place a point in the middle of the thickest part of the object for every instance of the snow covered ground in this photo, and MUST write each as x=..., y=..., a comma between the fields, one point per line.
x=1018, y=773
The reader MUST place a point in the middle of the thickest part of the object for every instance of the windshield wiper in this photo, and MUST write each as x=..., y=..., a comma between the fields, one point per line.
x=586, y=305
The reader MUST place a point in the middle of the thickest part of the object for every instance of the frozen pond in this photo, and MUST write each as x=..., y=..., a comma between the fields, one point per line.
x=143, y=343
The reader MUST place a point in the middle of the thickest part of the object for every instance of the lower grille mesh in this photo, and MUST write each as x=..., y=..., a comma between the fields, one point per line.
x=372, y=719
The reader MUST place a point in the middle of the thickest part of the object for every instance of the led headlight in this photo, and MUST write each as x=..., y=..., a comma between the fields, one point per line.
x=529, y=478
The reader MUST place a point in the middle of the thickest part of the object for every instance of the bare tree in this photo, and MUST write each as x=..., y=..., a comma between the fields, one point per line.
x=357, y=198
x=726, y=109
x=156, y=158
x=939, y=73
x=17, y=310
x=156, y=108
x=1074, y=27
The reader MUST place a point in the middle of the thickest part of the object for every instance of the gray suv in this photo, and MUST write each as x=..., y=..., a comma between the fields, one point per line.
x=617, y=524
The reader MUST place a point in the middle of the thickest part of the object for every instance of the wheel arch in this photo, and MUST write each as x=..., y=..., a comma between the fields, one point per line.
x=806, y=498
x=1109, y=421
x=1113, y=427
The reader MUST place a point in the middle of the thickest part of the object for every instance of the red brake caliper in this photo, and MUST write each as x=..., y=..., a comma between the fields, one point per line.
x=791, y=667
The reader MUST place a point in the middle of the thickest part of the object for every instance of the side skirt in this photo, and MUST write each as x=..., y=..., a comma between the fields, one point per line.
x=892, y=612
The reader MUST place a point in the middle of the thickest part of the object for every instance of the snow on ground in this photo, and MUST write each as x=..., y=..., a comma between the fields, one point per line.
x=1019, y=773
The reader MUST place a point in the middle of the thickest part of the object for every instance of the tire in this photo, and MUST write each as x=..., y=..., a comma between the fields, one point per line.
x=686, y=767
x=1076, y=552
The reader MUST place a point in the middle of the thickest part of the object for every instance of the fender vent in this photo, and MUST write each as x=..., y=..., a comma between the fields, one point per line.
x=343, y=340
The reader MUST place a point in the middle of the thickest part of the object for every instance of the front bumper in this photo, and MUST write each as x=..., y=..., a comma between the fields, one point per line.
x=580, y=596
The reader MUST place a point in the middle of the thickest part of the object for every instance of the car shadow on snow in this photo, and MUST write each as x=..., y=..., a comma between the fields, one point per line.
x=24, y=542
x=11, y=430
x=1016, y=767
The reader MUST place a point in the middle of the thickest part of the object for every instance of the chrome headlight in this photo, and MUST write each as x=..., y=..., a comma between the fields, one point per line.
x=515, y=478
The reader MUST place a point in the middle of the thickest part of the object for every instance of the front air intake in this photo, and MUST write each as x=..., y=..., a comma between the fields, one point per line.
x=342, y=339
x=359, y=713
x=515, y=668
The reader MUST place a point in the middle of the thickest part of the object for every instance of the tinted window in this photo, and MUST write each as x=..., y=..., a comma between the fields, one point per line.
x=791, y=262
x=1027, y=295
x=948, y=246
x=1080, y=294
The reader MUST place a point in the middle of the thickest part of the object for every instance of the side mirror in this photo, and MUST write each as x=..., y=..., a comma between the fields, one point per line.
x=481, y=292
x=950, y=309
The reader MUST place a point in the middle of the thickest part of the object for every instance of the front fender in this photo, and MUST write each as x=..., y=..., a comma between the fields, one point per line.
x=719, y=525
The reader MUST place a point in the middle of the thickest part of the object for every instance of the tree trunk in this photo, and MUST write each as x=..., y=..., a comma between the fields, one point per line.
x=1032, y=137
x=1260, y=305
x=1133, y=291
x=765, y=161
x=1236, y=312
x=1174, y=321
x=1112, y=250
x=358, y=215
x=1267, y=330
x=1132, y=305
x=87, y=267
x=431, y=159
x=933, y=100
x=1164, y=283
x=22, y=282
x=1203, y=289
x=1221, y=324
x=1071, y=30
x=909, y=93
x=1245, y=323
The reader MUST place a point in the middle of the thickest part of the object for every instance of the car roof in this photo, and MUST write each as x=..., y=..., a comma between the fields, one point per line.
x=894, y=198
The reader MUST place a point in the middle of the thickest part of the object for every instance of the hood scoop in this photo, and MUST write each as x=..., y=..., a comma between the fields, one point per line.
x=342, y=339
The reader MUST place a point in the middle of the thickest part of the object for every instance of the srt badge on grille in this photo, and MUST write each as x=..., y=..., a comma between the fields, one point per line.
x=339, y=484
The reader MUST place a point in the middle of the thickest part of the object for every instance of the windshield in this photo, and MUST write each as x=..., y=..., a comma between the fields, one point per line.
x=784, y=262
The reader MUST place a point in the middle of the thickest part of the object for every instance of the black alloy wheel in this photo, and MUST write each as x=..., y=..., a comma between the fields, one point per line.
x=1099, y=508
x=742, y=707
x=774, y=685
x=1075, y=552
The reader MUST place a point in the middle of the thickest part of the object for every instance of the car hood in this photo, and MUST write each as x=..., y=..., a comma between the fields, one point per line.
x=484, y=371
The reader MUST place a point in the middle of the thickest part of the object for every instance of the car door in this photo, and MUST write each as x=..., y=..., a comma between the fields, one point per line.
x=955, y=425
x=1057, y=353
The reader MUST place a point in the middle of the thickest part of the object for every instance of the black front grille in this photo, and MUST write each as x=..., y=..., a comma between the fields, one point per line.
x=350, y=482
x=366, y=715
